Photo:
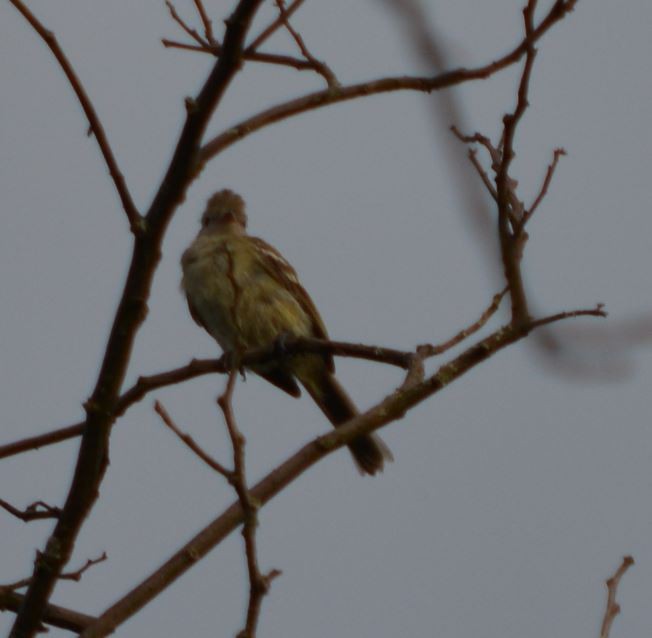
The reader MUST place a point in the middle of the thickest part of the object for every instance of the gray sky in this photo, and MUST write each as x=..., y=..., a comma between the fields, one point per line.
x=515, y=492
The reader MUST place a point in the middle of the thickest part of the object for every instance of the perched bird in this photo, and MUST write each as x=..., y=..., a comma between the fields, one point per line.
x=246, y=295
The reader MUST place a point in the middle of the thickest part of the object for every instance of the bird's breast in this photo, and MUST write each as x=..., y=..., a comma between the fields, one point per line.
x=241, y=305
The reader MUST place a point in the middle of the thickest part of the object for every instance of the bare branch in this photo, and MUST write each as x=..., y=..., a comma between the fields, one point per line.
x=100, y=408
x=53, y=614
x=511, y=242
x=77, y=574
x=190, y=442
x=32, y=512
x=598, y=311
x=134, y=217
x=483, y=140
x=208, y=25
x=329, y=96
x=258, y=583
x=429, y=350
x=473, y=158
x=392, y=408
x=200, y=367
x=274, y=26
x=319, y=66
x=189, y=30
x=557, y=153
x=41, y=440
x=265, y=58
x=613, y=608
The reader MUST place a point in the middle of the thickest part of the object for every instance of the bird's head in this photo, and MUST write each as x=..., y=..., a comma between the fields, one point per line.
x=225, y=212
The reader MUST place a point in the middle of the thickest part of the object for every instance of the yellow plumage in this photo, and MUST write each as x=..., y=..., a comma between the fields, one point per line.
x=246, y=295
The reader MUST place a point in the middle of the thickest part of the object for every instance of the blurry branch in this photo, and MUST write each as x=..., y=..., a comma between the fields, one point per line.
x=36, y=511
x=258, y=582
x=135, y=220
x=606, y=354
x=333, y=95
x=200, y=367
x=100, y=408
x=320, y=67
x=612, y=607
x=395, y=406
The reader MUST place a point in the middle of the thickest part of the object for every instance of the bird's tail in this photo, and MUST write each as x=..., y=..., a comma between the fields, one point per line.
x=369, y=451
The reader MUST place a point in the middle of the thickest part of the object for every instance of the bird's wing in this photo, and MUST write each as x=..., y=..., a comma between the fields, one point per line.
x=279, y=377
x=195, y=314
x=278, y=268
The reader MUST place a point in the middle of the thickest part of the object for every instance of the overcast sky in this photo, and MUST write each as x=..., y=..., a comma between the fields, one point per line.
x=515, y=492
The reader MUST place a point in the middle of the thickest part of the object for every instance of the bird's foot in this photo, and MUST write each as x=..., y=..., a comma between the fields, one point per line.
x=232, y=362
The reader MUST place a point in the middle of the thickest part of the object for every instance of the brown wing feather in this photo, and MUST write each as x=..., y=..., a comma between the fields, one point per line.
x=281, y=379
x=277, y=266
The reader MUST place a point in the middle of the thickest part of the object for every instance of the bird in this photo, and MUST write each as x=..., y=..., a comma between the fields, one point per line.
x=246, y=295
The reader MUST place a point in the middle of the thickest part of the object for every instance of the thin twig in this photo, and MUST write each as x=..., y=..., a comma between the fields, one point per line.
x=208, y=25
x=190, y=442
x=613, y=608
x=76, y=575
x=258, y=582
x=598, y=311
x=32, y=512
x=189, y=30
x=274, y=26
x=133, y=216
x=17, y=584
x=473, y=158
x=514, y=209
x=557, y=153
x=428, y=350
x=265, y=58
x=483, y=140
x=319, y=66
